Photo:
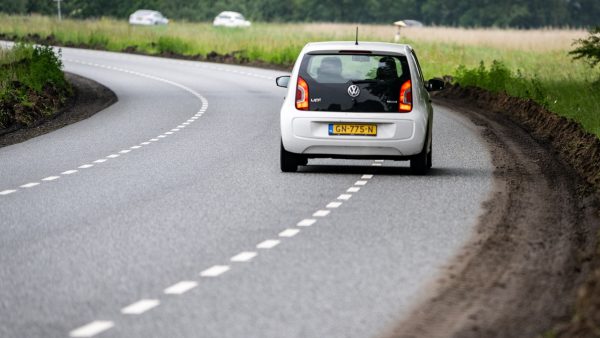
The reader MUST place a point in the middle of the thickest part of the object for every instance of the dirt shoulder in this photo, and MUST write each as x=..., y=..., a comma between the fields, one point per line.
x=89, y=97
x=534, y=245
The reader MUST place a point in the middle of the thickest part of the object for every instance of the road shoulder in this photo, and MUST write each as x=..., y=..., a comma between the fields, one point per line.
x=520, y=272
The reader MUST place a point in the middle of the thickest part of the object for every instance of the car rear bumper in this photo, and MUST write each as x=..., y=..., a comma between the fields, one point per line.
x=398, y=135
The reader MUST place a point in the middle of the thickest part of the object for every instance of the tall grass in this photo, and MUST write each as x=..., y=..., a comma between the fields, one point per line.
x=32, y=84
x=533, y=55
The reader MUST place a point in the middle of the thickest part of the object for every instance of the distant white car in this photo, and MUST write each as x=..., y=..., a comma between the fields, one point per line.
x=363, y=101
x=230, y=19
x=147, y=18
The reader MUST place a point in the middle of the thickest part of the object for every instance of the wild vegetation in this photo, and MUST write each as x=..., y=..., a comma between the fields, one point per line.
x=466, y=13
x=32, y=85
x=525, y=63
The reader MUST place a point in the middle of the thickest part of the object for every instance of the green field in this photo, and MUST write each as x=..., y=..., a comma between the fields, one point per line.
x=536, y=60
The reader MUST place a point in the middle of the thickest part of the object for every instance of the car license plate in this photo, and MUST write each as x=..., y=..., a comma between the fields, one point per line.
x=353, y=129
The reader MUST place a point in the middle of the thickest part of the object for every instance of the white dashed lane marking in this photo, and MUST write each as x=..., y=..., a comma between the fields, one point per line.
x=140, y=307
x=306, y=222
x=321, y=213
x=180, y=288
x=334, y=205
x=92, y=329
x=197, y=115
x=268, y=244
x=245, y=256
x=215, y=271
x=289, y=233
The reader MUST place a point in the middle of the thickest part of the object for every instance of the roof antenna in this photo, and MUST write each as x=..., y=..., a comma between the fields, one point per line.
x=356, y=43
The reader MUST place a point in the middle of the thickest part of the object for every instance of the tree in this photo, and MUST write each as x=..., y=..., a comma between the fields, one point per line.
x=589, y=48
x=13, y=6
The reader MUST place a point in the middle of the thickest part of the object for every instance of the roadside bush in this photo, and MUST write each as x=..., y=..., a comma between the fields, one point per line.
x=498, y=78
x=32, y=84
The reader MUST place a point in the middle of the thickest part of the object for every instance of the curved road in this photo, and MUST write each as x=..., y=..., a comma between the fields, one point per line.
x=166, y=215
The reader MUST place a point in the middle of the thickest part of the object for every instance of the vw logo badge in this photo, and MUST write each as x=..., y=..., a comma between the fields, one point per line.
x=353, y=91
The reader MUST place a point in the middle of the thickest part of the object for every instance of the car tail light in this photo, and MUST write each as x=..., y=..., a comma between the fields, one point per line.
x=405, y=105
x=302, y=94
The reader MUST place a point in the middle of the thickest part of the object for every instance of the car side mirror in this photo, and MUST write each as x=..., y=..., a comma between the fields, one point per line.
x=434, y=85
x=283, y=81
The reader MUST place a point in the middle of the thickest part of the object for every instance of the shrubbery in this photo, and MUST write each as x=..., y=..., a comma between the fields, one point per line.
x=499, y=78
x=32, y=84
x=589, y=49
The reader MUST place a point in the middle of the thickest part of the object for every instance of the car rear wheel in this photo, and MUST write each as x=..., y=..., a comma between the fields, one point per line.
x=290, y=161
x=421, y=163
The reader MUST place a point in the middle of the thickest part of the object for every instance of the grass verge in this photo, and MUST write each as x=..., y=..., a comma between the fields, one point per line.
x=32, y=85
x=530, y=64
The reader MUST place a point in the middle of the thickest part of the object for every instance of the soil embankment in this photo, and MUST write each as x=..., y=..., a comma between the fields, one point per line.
x=89, y=97
x=535, y=244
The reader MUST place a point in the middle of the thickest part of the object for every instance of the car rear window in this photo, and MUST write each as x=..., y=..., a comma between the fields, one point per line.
x=377, y=77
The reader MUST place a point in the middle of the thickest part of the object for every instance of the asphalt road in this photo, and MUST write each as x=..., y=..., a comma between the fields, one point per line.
x=125, y=224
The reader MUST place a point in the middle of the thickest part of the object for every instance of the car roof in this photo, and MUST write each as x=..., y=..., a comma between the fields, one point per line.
x=145, y=11
x=351, y=46
x=229, y=13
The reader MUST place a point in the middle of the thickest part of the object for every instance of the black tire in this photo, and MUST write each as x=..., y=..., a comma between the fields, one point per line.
x=421, y=163
x=289, y=161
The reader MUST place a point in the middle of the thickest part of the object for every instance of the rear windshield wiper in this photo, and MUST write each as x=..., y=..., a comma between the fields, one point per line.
x=363, y=81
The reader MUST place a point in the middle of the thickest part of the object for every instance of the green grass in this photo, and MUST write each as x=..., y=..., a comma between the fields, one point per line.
x=32, y=84
x=569, y=88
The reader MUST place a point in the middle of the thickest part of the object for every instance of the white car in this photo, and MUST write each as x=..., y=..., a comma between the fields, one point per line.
x=148, y=18
x=230, y=19
x=357, y=101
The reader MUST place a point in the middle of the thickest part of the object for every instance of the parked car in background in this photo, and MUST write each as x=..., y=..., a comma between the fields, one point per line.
x=413, y=23
x=230, y=19
x=148, y=18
